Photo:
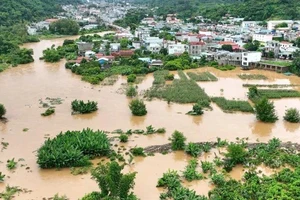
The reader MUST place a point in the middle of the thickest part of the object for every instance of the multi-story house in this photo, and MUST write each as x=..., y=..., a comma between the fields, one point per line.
x=177, y=48
x=196, y=48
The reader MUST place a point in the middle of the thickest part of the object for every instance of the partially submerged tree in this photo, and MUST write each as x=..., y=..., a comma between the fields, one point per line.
x=292, y=115
x=177, y=140
x=197, y=110
x=2, y=110
x=265, y=111
x=138, y=107
x=112, y=182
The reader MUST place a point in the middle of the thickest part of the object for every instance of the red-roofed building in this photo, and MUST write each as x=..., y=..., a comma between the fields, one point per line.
x=123, y=53
x=235, y=47
x=196, y=48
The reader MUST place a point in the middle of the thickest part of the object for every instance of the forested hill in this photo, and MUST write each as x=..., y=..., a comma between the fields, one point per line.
x=215, y=9
x=256, y=9
x=15, y=11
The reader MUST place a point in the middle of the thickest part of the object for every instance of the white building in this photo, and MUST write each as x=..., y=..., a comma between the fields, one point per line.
x=272, y=24
x=154, y=47
x=153, y=44
x=115, y=47
x=249, y=24
x=250, y=57
x=261, y=37
x=285, y=45
x=178, y=48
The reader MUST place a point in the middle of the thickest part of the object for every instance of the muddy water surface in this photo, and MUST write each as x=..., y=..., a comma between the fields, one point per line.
x=22, y=88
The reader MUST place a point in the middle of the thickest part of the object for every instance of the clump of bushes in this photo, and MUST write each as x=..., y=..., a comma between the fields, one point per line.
x=236, y=154
x=48, y=112
x=73, y=149
x=123, y=138
x=292, y=115
x=169, y=77
x=178, y=141
x=137, y=151
x=190, y=172
x=171, y=181
x=193, y=149
x=131, y=78
x=265, y=111
x=83, y=108
x=112, y=182
x=131, y=91
x=2, y=110
x=197, y=110
x=138, y=107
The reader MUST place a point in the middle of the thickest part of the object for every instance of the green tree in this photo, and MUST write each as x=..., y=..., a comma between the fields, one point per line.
x=112, y=182
x=177, y=141
x=64, y=27
x=138, y=107
x=297, y=42
x=131, y=91
x=2, y=110
x=271, y=54
x=131, y=78
x=51, y=55
x=227, y=47
x=252, y=46
x=282, y=25
x=292, y=115
x=295, y=67
x=265, y=111
x=124, y=43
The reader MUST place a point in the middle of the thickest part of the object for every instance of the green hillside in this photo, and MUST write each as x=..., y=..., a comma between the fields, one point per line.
x=215, y=9
x=16, y=11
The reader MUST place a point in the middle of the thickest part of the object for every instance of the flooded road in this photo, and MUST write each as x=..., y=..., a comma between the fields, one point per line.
x=22, y=88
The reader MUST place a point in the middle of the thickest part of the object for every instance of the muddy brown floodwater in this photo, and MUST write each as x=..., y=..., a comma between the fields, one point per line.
x=23, y=86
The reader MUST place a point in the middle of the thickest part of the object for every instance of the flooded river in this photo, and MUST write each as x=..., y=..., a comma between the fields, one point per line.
x=22, y=87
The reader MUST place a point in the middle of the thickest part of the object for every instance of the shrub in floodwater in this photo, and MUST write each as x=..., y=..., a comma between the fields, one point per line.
x=292, y=115
x=9, y=192
x=170, y=179
x=236, y=154
x=218, y=179
x=92, y=196
x=197, y=110
x=150, y=130
x=11, y=164
x=265, y=111
x=113, y=183
x=2, y=176
x=2, y=110
x=190, y=173
x=138, y=107
x=131, y=91
x=73, y=149
x=82, y=107
x=161, y=130
x=137, y=151
x=193, y=149
x=57, y=197
x=206, y=147
x=48, y=112
x=207, y=166
x=123, y=138
x=177, y=140
x=131, y=78
x=169, y=77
